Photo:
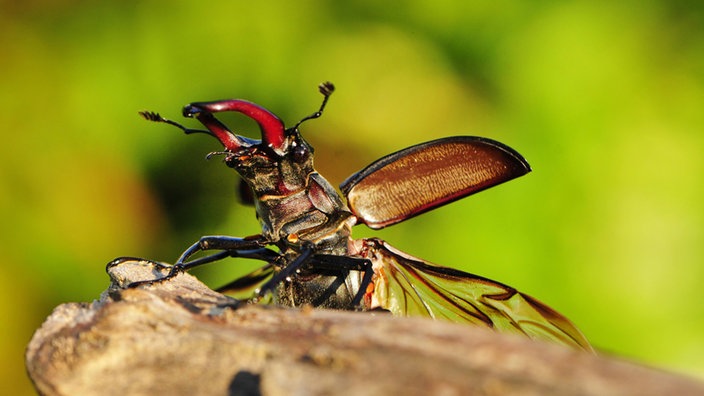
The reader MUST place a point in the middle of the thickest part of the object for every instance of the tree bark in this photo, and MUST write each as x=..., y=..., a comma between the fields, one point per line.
x=181, y=338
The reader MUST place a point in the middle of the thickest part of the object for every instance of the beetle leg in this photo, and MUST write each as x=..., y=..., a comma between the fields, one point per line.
x=263, y=254
x=366, y=281
x=289, y=269
x=230, y=246
x=222, y=243
x=346, y=263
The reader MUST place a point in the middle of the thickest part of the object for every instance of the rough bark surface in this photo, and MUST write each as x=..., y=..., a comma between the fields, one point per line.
x=181, y=338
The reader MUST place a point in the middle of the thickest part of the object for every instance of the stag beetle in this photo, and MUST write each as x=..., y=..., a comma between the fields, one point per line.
x=317, y=263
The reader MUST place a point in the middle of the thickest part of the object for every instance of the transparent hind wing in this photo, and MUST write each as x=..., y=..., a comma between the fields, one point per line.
x=408, y=286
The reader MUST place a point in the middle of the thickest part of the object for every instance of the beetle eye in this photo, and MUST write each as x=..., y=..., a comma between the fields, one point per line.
x=300, y=152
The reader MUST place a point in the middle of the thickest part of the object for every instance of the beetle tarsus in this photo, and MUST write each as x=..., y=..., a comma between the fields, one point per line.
x=175, y=270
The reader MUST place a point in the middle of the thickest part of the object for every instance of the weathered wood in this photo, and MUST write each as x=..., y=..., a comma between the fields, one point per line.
x=181, y=338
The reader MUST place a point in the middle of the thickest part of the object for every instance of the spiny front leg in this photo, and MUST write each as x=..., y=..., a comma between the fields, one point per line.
x=226, y=243
x=250, y=247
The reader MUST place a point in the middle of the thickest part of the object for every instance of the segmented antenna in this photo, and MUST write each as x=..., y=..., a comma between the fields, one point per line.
x=326, y=89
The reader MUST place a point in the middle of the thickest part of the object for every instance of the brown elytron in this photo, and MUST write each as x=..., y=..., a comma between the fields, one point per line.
x=442, y=171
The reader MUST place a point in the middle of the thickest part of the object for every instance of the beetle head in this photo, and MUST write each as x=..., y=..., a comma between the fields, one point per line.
x=277, y=164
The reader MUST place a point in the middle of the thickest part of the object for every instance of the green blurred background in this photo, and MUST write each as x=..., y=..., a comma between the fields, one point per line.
x=605, y=100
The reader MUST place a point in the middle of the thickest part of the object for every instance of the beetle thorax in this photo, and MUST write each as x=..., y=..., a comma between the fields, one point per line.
x=293, y=202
